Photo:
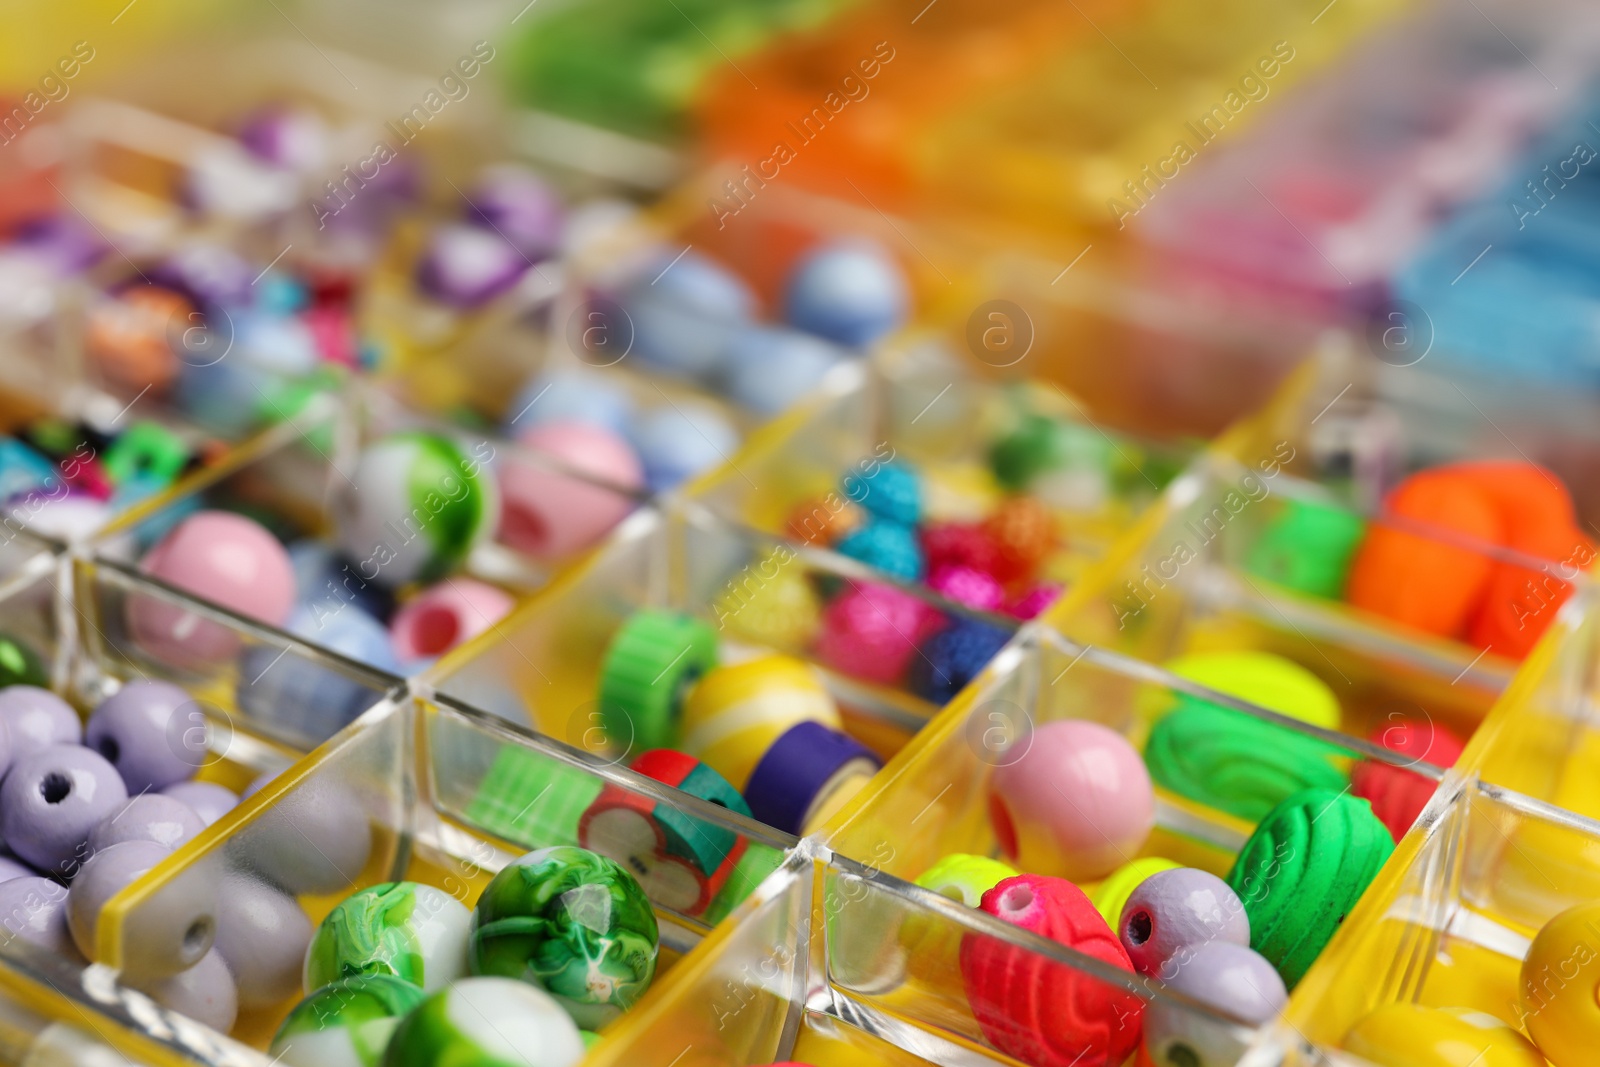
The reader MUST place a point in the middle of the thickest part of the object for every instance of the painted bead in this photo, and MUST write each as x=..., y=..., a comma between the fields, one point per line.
x=147, y=817
x=128, y=335
x=771, y=603
x=51, y=800
x=810, y=772
x=486, y=1021
x=951, y=658
x=1307, y=547
x=852, y=293
x=163, y=940
x=653, y=661
x=204, y=993
x=262, y=935
x=465, y=266
x=1557, y=988
x=1415, y=1035
x=570, y=492
x=573, y=923
x=219, y=557
x=967, y=586
x=324, y=580
x=140, y=730
x=1261, y=678
x=886, y=546
x=346, y=1024
x=1225, y=975
x=521, y=207
x=1078, y=800
x=406, y=929
x=823, y=521
x=1398, y=795
x=20, y=664
x=683, y=313
x=208, y=800
x=1040, y=1011
x=1112, y=893
x=570, y=396
x=446, y=616
x=1520, y=602
x=295, y=693
x=1023, y=529
x=888, y=491
x=681, y=861
x=35, y=909
x=1173, y=911
x=679, y=441
x=423, y=504
x=735, y=714
x=770, y=368
x=871, y=631
x=12, y=868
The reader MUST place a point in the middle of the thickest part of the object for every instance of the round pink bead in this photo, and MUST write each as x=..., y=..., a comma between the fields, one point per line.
x=1033, y=601
x=1076, y=801
x=217, y=556
x=548, y=512
x=871, y=631
x=967, y=586
x=446, y=615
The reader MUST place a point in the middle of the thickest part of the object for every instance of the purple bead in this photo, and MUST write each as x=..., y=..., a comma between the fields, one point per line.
x=11, y=869
x=209, y=274
x=208, y=800
x=35, y=909
x=142, y=730
x=257, y=783
x=468, y=265
x=147, y=817
x=291, y=138
x=315, y=839
x=37, y=718
x=65, y=243
x=1219, y=973
x=262, y=934
x=519, y=206
x=175, y=927
x=204, y=993
x=51, y=800
x=1178, y=909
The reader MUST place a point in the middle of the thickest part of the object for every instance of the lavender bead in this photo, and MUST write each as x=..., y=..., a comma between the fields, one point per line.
x=853, y=294
x=35, y=909
x=315, y=839
x=36, y=718
x=208, y=800
x=519, y=206
x=1178, y=909
x=468, y=265
x=51, y=800
x=175, y=927
x=147, y=817
x=1226, y=976
x=204, y=993
x=291, y=138
x=11, y=869
x=144, y=730
x=262, y=934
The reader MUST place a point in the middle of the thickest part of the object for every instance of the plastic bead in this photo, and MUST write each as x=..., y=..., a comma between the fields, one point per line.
x=824, y=521
x=809, y=773
x=1307, y=548
x=570, y=396
x=1519, y=603
x=1039, y=1011
x=346, y=1024
x=1557, y=990
x=1261, y=678
x=35, y=909
x=681, y=440
x=20, y=665
x=314, y=839
x=1023, y=529
x=129, y=336
x=467, y=266
x=1178, y=910
x=966, y=586
x=486, y=1020
x=780, y=611
x=951, y=658
x=888, y=491
x=654, y=659
x=446, y=616
x=204, y=993
x=871, y=631
x=1224, y=975
x=1397, y=795
x=140, y=730
x=295, y=692
x=12, y=868
x=959, y=544
x=849, y=292
x=886, y=546
x=1077, y=800
x=575, y=924
x=262, y=935
x=147, y=453
x=51, y=800
x=734, y=716
x=550, y=513
x=1112, y=893
x=770, y=368
x=178, y=935
x=406, y=929
x=147, y=817
x=684, y=311
x=964, y=878
x=1415, y=1035
x=208, y=800
x=521, y=207
x=1034, y=601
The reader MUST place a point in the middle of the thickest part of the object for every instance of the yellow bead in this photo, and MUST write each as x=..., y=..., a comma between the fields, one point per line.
x=735, y=713
x=1413, y=1035
x=771, y=603
x=1110, y=895
x=1560, y=979
x=1265, y=679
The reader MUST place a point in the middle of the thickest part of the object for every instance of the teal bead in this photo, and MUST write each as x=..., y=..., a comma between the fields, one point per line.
x=486, y=1022
x=572, y=922
x=346, y=1024
x=406, y=930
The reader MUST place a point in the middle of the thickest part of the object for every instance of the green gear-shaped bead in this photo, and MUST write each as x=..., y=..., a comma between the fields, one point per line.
x=653, y=660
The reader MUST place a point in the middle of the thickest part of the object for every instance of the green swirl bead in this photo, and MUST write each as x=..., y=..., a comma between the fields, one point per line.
x=406, y=930
x=346, y=1024
x=1303, y=870
x=486, y=1022
x=570, y=921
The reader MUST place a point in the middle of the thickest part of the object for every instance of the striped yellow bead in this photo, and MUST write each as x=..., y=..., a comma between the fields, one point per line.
x=735, y=713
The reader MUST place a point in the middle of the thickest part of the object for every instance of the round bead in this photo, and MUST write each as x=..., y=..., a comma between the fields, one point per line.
x=325, y=580
x=654, y=659
x=1040, y=1011
x=204, y=993
x=147, y=817
x=446, y=616
x=1398, y=795
x=1225, y=975
x=887, y=546
x=1301, y=872
x=1415, y=1035
x=262, y=935
x=871, y=631
x=1112, y=893
x=810, y=772
x=225, y=559
x=1177, y=910
x=1559, y=1008
x=684, y=312
x=851, y=293
x=140, y=730
x=678, y=441
x=465, y=266
x=1077, y=800
x=781, y=611
x=486, y=1021
x=959, y=544
x=1264, y=679
x=1034, y=600
x=286, y=137
x=20, y=664
x=521, y=207
x=51, y=800
x=35, y=909
x=295, y=693
x=951, y=658
x=967, y=586
x=165, y=937
x=1519, y=603
x=128, y=335
x=346, y=1024
x=208, y=800
x=1307, y=548
x=406, y=929
x=770, y=368
x=735, y=714
x=548, y=512
x=964, y=878
x=888, y=491
x=573, y=923
x=13, y=868
x=1023, y=529
x=423, y=503
x=824, y=520
x=570, y=396
x=1037, y=445
x=315, y=839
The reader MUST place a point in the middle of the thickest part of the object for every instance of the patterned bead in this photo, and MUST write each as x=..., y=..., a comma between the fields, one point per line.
x=484, y=1021
x=1396, y=794
x=1034, y=600
x=819, y=522
x=959, y=544
x=733, y=716
x=1024, y=533
x=654, y=659
x=411, y=931
x=871, y=631
x=346, y=1024
x=886, y=546
x=781, y=611
x=953, y=657
x=892, y=491
x=967, y=586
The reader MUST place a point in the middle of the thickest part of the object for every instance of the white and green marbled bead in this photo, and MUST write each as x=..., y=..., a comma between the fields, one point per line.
x=407, y=930
x=346, y=1024
x=487, y=1022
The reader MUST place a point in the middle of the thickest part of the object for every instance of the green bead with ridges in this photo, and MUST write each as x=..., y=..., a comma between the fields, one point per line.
x=346, y=1024
x=413, y=932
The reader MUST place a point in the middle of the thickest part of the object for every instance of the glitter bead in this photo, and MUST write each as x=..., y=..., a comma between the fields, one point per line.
x=890, y=491
x=1024, y=532
x=887, y=546
x=953, y=657
x=780, y=611
x=1034, y=600
x=959, y=544
x=871, y=631
x=967, y=586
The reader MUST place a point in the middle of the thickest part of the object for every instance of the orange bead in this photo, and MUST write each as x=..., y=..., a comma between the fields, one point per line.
x=1023, y=529
x=1520, y=602
x=1528, y=498
x=820, y=522
x=133, y=336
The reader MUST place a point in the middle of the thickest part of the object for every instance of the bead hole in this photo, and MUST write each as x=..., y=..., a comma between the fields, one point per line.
x=1139, y=927
x=1018, y=898
x=108, y=747
x=55, y=788
x=437, y=630
x=1182, y=1056
x=195, y=938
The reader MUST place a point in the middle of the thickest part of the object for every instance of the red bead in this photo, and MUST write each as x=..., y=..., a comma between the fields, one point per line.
x=1396, y=794
x=1024, y=533
x=1043, y=1012
x=959, y=544
x=871, y=631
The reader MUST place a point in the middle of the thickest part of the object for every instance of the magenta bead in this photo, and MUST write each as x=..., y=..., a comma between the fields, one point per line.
x=446, y=615
x=1035, y=600
x=552, y=505
x=1071, y=797
x=966, y=585
x=217, y=556
x=872, y=631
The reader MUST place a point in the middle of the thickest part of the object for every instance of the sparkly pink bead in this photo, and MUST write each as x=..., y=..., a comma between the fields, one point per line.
x=967, y=586
x=871, y=631
x=1034, y=600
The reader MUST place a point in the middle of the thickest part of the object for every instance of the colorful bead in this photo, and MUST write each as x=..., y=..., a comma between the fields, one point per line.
x=208, y=800
x=808, y=773
x=446, y=616
x=769, y=367
x=307, y=838
x=465, y=266
x=1113, y=892
x=346, y=1024
x=298, y=694
x=1264, y=679
x=1039, y=1011
x=147, y=817
x=1519, y=602
x=959, y=544
x=35, y=909
x=1557, y=988
x=679, y=441
x=1177, y=910
x=147, y=453
x=885, y=546
x=569, y=492
x=1225, y=975
x=1415, y=1035
x=824, y=520
x=852, y=293
x=204, y=993
x=966, y=586
x=406, y=929
x=573, y=923
x=1398, y=795
x=735, y=714
x=579, y=395
x=163, y=941
x=654, y=659
x=1034, y=601
x=1077, y=800
x=871, y=631
x=1301, y=872
x=781, y=611
x=50, y=801
x=1023, y=529
x=20, y=664
x=262, y=935
x=950, y=659
x=683, y=311
x=140, y=729
x=1307, y=547
x=521, y=207
x=964, y=878
x=130, y=335
x=888, y=491
x=486, y=1021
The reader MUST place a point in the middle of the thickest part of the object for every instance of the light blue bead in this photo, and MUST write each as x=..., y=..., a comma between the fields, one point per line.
x=322, y=575
x=24, y=470
x=771, y=367
x=683, y=314
x=698, y=284
x=305, y=699
x=887, y=546
x=581, y=396
x=281, y=294
x=678, y=441
x=850, y=293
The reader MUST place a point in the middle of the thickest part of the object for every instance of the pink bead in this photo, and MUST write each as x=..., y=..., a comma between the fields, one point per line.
x=550, y=513
x=967, y=586
x=871, y=631
x=217, y=556
x=1077, y=801
x=446, y=615
x=1034, y=600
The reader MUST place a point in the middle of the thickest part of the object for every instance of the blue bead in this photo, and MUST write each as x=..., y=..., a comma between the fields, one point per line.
x=684, y=313
x=888, y=546
x=322, y=575
x=850, y=293
x=678, y=441
x=578, y=396
x=281, y=294
x=953, y=657
x=698, y=284
x=770, y=368
x=305, y=698
x=891, y=491
x=23, y=470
